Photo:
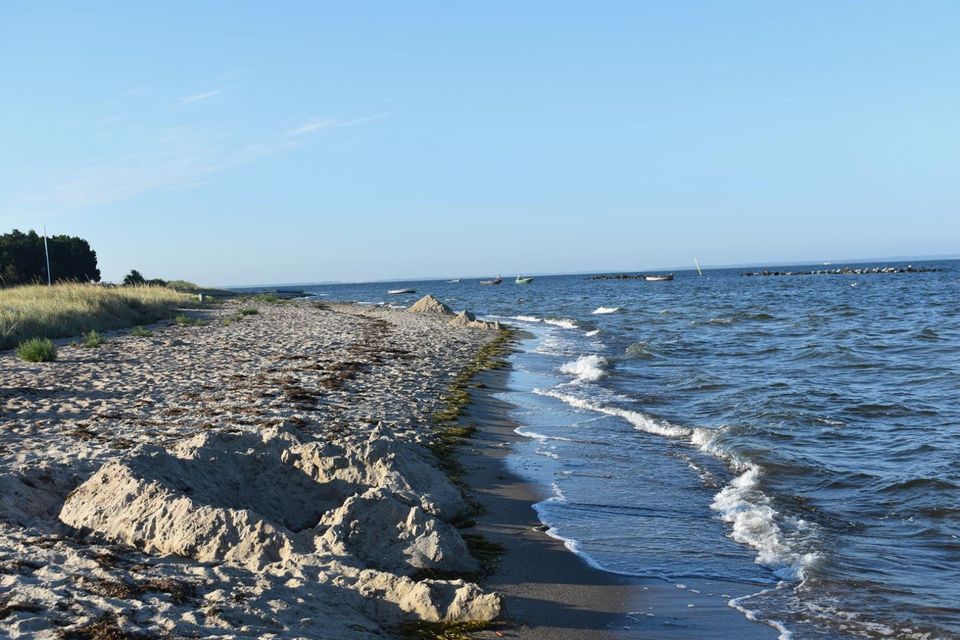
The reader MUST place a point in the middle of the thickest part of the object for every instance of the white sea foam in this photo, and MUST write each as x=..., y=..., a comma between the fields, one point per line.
x=527, y=318
x=523, y=431
x=599, y=311
x=741, y=503
x=586, y=368
x=638, y=420
x=782, y=631
x=563, y=323
x=590, y=334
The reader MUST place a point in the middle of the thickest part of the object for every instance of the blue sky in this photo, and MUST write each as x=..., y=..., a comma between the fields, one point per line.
x=242, y=142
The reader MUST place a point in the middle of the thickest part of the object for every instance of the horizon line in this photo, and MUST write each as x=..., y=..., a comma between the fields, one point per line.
x=541, y=274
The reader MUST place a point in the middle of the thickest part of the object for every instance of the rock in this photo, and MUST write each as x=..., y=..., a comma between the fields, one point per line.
x=429, y=305
x=391, y=534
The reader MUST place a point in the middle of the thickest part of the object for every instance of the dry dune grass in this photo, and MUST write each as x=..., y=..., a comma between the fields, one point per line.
x=71, y=309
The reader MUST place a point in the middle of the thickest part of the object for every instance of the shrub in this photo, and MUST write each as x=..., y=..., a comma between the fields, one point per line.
x=92, y=339
x=141, y=332
x=187, y=321
x=37, y=350
x=249, y=311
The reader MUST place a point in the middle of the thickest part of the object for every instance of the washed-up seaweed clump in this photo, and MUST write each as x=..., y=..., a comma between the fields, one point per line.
x=448, y=434
x=443, y=630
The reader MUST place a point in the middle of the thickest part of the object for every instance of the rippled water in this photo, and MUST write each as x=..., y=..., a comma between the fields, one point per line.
x=801, y=433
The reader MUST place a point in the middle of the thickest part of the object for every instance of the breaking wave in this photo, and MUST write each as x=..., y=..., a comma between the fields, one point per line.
x=585, y=368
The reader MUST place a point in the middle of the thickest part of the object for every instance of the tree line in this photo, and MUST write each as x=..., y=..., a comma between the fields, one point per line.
x=23, y=260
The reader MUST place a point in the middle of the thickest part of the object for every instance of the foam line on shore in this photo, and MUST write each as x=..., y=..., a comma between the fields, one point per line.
x=741, y=503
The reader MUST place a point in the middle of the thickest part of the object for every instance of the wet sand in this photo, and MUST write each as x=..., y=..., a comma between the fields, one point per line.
x=549, y=591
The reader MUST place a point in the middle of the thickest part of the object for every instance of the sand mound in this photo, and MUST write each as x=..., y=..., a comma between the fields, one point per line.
x=394, y=535
x=270, y=502
x=430, y=600
x=381, y=461
x=430, y=306
x=468, y=320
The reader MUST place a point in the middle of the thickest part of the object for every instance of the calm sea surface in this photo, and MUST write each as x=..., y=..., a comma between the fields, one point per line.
x=800, y=433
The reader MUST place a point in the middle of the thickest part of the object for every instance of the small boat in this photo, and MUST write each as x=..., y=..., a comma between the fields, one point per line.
x=659, y=278
x=454, y=281
x=523, y=280
x=496, y=280
x=396, y=292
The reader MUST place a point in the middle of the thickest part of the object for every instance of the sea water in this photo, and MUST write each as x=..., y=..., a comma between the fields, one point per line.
x=798, y=433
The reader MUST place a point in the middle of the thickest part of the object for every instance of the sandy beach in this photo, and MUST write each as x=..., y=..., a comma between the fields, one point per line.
x=252, y=476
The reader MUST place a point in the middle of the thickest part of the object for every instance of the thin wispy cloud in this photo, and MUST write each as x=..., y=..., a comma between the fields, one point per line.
x=175, y=161
x=199, y=97
x=319, y=124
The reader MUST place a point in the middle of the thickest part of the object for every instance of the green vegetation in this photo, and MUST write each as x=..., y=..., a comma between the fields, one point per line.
x=188, y=321
x=448, y=434
x=136, y=279
x=65, y=310
x=23, y=259
x=249, y=311
x=141, y=332
x=443, y=630
x=269, y=298
x=37, y=350
x=92, y=339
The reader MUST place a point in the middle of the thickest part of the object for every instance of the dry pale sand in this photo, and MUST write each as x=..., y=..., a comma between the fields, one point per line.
x=263, y=478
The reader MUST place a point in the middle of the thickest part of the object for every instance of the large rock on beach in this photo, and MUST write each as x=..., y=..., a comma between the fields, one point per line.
x=428, y=305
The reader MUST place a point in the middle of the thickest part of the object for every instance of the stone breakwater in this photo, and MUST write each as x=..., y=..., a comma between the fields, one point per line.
x=844, y=271
x=262, y=477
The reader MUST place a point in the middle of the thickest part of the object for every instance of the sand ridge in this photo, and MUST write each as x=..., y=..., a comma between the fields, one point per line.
x=264, y=478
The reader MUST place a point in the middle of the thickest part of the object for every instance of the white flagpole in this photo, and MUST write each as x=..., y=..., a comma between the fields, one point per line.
x=698, y=266
x=47, y=251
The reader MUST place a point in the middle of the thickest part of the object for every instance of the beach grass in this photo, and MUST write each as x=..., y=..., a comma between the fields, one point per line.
x=141, y=331
x=37, y=350
x=71, y=309
x=188, y=321
x=249, y=311
x=92, y=339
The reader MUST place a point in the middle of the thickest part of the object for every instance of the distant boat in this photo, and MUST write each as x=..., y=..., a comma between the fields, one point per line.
x=496, y=280
x=396, y=292
x=523, y=280
x=659, y=278
x=454, y=281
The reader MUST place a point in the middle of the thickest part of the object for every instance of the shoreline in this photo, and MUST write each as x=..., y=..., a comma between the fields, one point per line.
x=120, y=514
x=551, y=592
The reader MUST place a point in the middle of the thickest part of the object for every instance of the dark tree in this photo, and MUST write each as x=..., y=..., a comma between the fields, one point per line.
x=22, y=259
x=134, y=278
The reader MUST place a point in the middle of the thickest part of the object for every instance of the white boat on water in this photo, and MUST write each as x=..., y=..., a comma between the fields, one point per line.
x=659, y=278
x=454, y=281
x=396, y=292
